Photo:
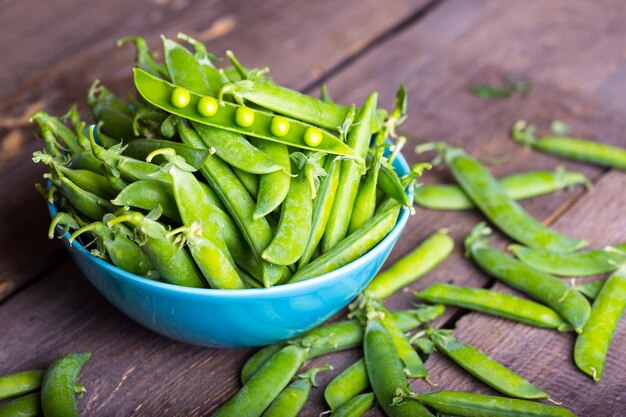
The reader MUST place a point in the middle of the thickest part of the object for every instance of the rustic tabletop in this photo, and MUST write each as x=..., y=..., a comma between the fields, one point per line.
x=573, y=51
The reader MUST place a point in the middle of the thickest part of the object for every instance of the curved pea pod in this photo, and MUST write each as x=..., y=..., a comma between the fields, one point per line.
x=211, y=74
x=517, y=186
x=172, y=262
x=322, y=208
x=294, y=226
x=273, y=187
x=591, y=289
x=355, y=406
x=159, y=92
x=183, y=68
x=269, y=95
x=235, y=150
x=577, y=264
x=353, y=246
x=592, y=344
x=571, y=148
x=141, y=148
x=365, y=202
x=123, y=252
x=553, y=292
x=347, y=385
x=26, y=406
x=467, y=404
x=65, y=222
x=412, y=266
x=215, y=264
x=498, y=207
x=248, y=180
x=240, y=206
x=390, y=184
x=14, y=385
x=146, y=195
x=492, y=373
x=265, y=385
x=292, y=399
x=345, y=196
x=111, y=111
x=385, y=372
x=494, y=303
x=259, y=357
x=85, y=202
x=54, y=130
x=58, y=395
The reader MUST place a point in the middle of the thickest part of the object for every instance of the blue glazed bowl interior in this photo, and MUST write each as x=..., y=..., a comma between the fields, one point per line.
x=235, y=318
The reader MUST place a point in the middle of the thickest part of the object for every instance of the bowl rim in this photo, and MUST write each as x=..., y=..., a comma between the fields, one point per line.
x=275, y=291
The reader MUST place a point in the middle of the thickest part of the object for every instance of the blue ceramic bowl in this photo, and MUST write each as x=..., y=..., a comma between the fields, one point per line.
x=235, y=318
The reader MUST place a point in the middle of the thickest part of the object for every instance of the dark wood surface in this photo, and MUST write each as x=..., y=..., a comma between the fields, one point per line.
x=573, y=51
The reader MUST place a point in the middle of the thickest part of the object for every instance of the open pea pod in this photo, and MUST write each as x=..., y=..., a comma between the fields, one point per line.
x=159, y=93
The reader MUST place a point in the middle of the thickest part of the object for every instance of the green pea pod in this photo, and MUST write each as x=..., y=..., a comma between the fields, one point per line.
x=484, y=368
x=365, y=203
x=273, y=187
x=591, y=289
x=65, y=222
x=240, y=206
x=58, y=395
x=592, y=344
x=57, y=130
x=146, y=195
x=517, y=187
x=347, y=385
x=159, y=92
x=111, y=111
x=494, y=303
x=294, y=226
x=183, y=68
x=578, y=264
x=386, y=372
x=467, y=404
x=412, y=266
x=355, y=406
x=140, y=148
x=259, y=357
x=571, y=148
x=265, y=385
x=211, y=74
x=353, y=246
x=172, y=262
x=347, y=189
x=291, y=400
x=144, y=58
x=250, y=181
x=215, y=264
x=269, y=95
x=553, y=292
x=322, y=208
x=235, y=150
x=85, y=202
x=26, y=406
x=498, y=207
x=390, y=184
x=14, y=385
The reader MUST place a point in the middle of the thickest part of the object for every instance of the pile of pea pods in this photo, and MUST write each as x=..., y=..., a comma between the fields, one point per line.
x=258, y=184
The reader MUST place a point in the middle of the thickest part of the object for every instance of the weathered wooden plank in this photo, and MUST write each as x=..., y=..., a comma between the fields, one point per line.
x=266, y=34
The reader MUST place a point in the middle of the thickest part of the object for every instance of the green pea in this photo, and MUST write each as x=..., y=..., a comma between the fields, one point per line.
x=244, y=116
x=180, y=97
x=207, y=106
x=280, y=126
x=312, y=136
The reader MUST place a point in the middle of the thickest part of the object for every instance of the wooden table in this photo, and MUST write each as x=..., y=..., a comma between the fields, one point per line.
x=574, y=52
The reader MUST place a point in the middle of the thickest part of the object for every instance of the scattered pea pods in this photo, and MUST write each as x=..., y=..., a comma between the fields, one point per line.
x=466, y=404
x=492, y=200
x=415, y=264
x=592, y=344
x=576, y=264
x=571, y=148
x=265, y=384
x=26, y=406
x=492, y=373
x=13, y=385
x=291, y=400
x=58, y=390
x=556, y=294
x=517, y=187
x=355, y=406
x=348, y=384
x=256, y=123
x=494, y=303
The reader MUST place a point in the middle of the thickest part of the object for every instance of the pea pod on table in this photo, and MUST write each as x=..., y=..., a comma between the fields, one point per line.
x=58, y=390
x=355, y=406
x=20, y=383
x=590, y=289
x=592, y=344
x=497, y=206
x=27, y=406
x=556, y=294
x=347, y=385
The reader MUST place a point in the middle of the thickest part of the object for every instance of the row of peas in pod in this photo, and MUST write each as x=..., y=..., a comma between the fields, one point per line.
x=221, y=178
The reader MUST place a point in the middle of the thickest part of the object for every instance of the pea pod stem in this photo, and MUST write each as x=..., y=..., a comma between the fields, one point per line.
x=556, y=294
